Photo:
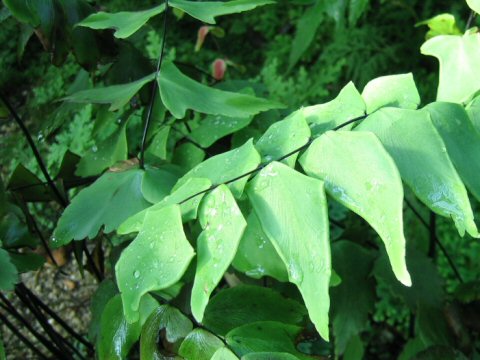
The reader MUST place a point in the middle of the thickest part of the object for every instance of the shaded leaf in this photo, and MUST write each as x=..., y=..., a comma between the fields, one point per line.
x=199, y=345
x=165, y=254
x=8, y=275
x=269, y=356
x=458, y=56
x=180, y=93
x=158, y=182
x=101, y=204
x=26, y=184
x=213, y=128
x=104, y=292
x=25, y=262
x=424, y=165
x=187, y=156
x=308, y=262
x=391, y=91
x=360, y=174
x=223, y=226
x=356, y=9
x=227, y=166
x=245, y=304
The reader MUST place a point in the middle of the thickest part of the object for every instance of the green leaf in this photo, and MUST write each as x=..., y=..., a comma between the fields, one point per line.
x=213, y=128
x=2, y=350
x=207, y=11
x=458, y=56
x=473, y=110
x=356, y=9
x=283, y=137
x=224, y=354
x=14, y=232
x=355, y=349
x=256, y=256
x=223, y=225
x=125, y=23
x=158, y=146
x=391, y=91
x=117, y=336
x=424, y=165
x=245, y=304
x=104, y=154
x=360, y=174
x=158, y=182
x=199, y=345
x=227, y=166
x=269, y=356
x=189, y=208
x=474, y=5
x=461, y=139
x=292, y=206
x=180, y=93
x=25, y=262
x=347, y=105
x=265, y=336
x=354, y=299
x=29, y=186
x=104, y=292
x=187, y=156
x=116, y=95
x=306, y=29
x=165, y=254
x=443, y=24
x=176, y=326
x=108, y=202
x=8, y=275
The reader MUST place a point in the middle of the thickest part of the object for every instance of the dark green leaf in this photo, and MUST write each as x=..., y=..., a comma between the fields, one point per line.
x=25, y=262
x=157, y=183
x=269, y=356
x=29, y=186
x=104, y=292
x=8, y=275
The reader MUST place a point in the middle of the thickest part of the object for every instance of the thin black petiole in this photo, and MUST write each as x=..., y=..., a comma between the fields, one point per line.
x=154, y=89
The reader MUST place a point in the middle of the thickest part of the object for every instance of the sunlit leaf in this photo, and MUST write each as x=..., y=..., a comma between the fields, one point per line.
x=223, y=225
x=443, y=24
x=180, y=93
x=108, y=202
x=305, y=217
x=391, y=91
x=199, y=345
x=245, y=304
x=213, y=128
x=424, y=165
x=224, y=354
x=155, y=260
x=226, y=166
x=474, y=5
x=473, y=110
x=458, y=56
x=360, y=174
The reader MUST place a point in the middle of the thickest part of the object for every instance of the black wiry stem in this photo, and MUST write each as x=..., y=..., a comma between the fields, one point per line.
x=22, y=338
x=154, y=89
x=261, y=166
x=35, y=151
x=438, y=242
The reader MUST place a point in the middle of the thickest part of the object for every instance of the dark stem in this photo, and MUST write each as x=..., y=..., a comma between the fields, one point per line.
x=154, y=89
x=22, y=338
x=59, y=320
x=42, y=239
x=439, y=243
x=35, y=151
x=96, y=271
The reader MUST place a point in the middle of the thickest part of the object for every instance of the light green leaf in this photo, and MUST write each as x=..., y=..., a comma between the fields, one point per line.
x=256, y=256
x=169, y=319
x=265, y=336
x=158, y=182
x=474, y=5
x=224, y=354
x=227, y=166
x=269, y=356
x=158, y=146
x=391, y=91
x=283, y=137
x=461, y=139
x=443, y=24
x=473, y=110
x=424, y=165
x=223, y=225
x=199, y=345
x=117, y=336
x=8, y=275
x=207, y=11
x=213, y=128
x=125, y=23
x=104, y=154
x=354, y=299
x=360, y=174
x=188, y=208
x=180, y=93
x=306, y=29
x=109, y=201
x=155, y=260
x=308, y=262
x=187, y=156
x=459, y=57
x=347, y=105
x=116, y=95
x=245, y=304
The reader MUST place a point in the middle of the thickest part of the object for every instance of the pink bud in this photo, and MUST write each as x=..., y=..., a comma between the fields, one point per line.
x=201, y=35
x=219, y=67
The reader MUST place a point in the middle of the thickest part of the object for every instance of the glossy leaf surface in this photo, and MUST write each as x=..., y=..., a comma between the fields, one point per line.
x=199, y=345
x=213, y=128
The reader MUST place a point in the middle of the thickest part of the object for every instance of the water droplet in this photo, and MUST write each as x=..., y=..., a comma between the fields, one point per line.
x=94, y=148
x=136, y=274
